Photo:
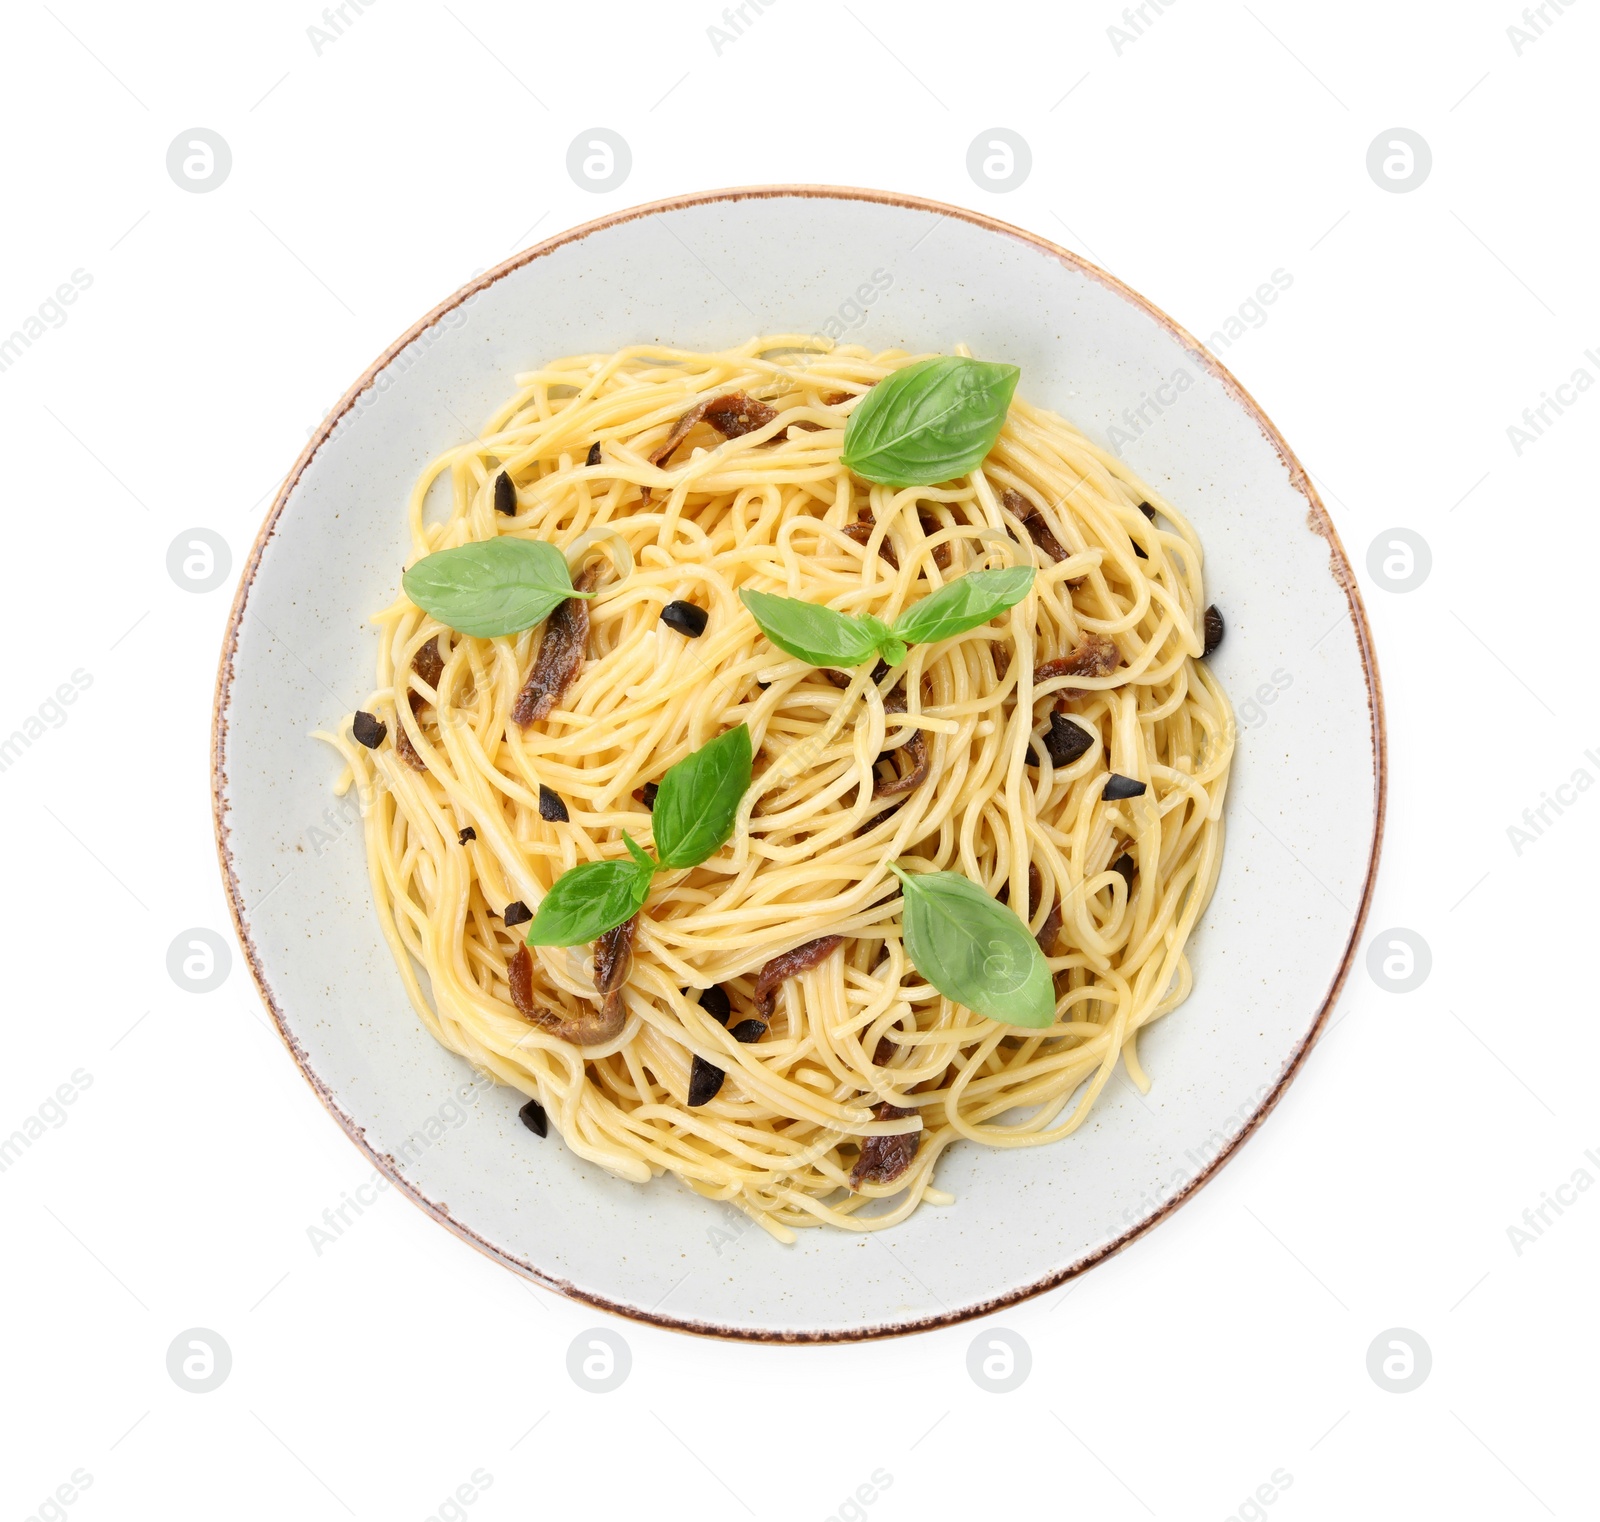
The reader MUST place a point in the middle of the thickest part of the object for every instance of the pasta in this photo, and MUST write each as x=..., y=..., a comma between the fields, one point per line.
x=862, y=1073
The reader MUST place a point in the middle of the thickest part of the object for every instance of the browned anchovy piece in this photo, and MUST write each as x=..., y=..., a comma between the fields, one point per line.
x=613, y=961
x=587, y=1029
x=1035, y=887
x=402, y=741
x=560, y=658
x=1052, y=921
x=832, y=399
x=789, y=964
x=884, y=1158
x=931, y=526
x=875, y=821
x=428, y=663
x=1093, y=655
x=1033, y=520
x=863, y=529
x=733, y=415
x=1049, y=931
x=916, y=747
x=842, y=678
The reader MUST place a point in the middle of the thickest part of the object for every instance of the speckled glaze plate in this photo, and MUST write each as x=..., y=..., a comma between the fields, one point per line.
x=1305, y=807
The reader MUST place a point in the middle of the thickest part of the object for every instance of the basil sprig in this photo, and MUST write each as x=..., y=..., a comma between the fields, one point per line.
x=930, y=422
x=698, y=800
x=590, y=900
x=492, y=586
x=825, y=637
x=816, y=635
x=695, y=808
x=975, y=951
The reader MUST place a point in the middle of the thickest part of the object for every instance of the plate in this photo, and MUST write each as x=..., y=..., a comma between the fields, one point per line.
x=1305, y=805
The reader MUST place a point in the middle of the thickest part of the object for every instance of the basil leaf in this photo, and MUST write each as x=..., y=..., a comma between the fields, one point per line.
x=588, y=901
x=811, y=633
x=698, y=800
x=889, y=649
x=963, y=604
x=974, y=950
x=492, y=586
x=637, y=852
x=929, y=422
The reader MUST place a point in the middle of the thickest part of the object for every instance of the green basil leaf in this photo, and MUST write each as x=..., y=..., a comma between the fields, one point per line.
x=637, y=852
x=963, y=604
x=698, y=799
x=884, y=643
x=492, y=586
x=975, y=951
x=930, y=422
x=588, y=901
x=811, y=633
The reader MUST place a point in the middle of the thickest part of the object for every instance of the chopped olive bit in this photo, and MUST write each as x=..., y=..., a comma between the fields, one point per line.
x=505, y=494
x=1066, y=739
x=1215, y=629
x=705, y=1079
x=747, y=1031
x=716, y=1003
x=686, y=618
x=467, y=834
x=533, y=1116
x=594, y=454
x=1150, y=513
x=517, y=913
x=1125, y=868
x=369, y=729
x=647, y=794
x=1118, y=787
x=551, y=807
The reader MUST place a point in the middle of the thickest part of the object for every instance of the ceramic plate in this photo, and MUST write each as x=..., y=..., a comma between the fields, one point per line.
x=1305, y=806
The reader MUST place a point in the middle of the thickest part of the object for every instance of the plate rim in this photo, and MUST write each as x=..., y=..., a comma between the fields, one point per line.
x=1317, y=521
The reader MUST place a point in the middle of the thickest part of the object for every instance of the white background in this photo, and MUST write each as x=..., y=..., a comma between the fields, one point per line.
x=428, y=142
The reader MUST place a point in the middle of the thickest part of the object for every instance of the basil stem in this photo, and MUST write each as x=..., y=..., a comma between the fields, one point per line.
x=825, y=637
x=696, y=805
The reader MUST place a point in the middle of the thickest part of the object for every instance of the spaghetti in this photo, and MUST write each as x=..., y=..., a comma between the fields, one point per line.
x=989, y=754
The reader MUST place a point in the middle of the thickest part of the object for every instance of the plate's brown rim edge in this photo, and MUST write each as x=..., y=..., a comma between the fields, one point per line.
x=1318, y=522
